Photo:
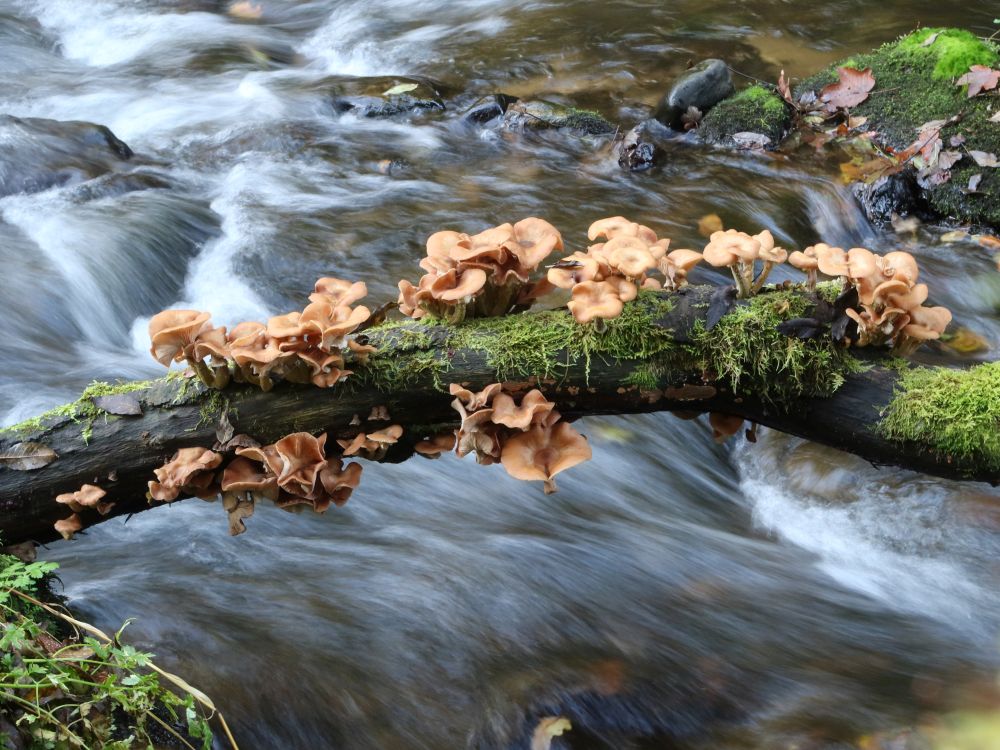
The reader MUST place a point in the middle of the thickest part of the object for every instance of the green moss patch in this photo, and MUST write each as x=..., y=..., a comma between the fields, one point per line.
x=545, y=344
x=746, y=352
x=956, y=413
x=756, y=109
x=915, y=84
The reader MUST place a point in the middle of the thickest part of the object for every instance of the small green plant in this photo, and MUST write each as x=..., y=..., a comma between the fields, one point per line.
x=62, y=689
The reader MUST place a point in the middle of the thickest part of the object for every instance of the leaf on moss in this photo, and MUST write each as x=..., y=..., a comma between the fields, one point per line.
x=27, y=456
x=852, y=89
x=973, y=186
x=995, y=117
x=984, y=158
x=121, y=404
x=979, y=78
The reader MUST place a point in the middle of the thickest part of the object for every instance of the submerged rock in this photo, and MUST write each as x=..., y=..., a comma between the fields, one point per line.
x=37, y=154
x=488, y=109
x=638, y=150
x=382, y=96
x=701, y=87
x=542, y=115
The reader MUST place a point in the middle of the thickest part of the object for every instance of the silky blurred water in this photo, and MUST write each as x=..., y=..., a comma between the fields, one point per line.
x=674, y=593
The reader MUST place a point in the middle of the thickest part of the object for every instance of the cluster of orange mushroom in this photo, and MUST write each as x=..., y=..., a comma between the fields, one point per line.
x=291, y=472
x=739, y=252
x=301, y=347
x=480, y=275
x=890, y=299
x=610, y=273
x=529, y=437
x=89, y=496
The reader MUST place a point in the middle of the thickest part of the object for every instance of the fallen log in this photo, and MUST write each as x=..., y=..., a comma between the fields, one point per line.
x=661, y=354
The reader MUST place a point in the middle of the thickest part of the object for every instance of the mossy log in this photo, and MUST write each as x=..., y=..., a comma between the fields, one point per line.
x=659, y=355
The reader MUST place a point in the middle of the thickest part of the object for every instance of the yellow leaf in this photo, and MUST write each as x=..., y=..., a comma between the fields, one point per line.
x=549, y=727
x=709, y=223
x=401, y=88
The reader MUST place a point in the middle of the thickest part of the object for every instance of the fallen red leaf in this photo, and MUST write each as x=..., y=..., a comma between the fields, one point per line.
x=784, y=89
x=979, y=78
x=850, y=90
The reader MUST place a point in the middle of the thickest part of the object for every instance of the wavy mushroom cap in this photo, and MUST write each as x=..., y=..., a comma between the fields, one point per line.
x=88, y=496
x=338, y=292
x=434, y=446
x=907, y=298
x=302, y=456
x=900, y=265
x=774, y=254
x=659, y=248
x=286, y=327
x=624, y=288
x=803, y=260
x=595, y=299
x=861, y=263
x=389, y=436
x=533, y=409
x=543, y=452
x=244, y=475
x=172, y=331
x=332, y=324
x=409, y=299
x=211, y=342
x=740, y=244
x=264, y=454
x=573, y=269
x=325, y=369
x=67, y=527
x=766, y=241
x=470, y=401
x=186, y=464
x=684, y=259
x=339, y=481
x=629, y=256
x=458, y=287
x=891, y=288
x=536, y=240
x=719, y=255
x=832, y=261
x=441, y=244
x=247, y=334
x=935, y=319
x=613, y=226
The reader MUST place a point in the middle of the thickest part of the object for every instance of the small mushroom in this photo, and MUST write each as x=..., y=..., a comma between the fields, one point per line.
x=805, y=260
x=533, y=409
x=190, y=470
x=243, y=476
x=724, y=425
x=337, y=292
x=67, y=527
x=434, y=446
x=88, y=496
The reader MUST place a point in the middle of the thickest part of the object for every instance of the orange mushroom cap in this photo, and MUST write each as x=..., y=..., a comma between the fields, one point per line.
x=244, y=475
x=595, y=299
x=173, y=331
x=338, y=292
x=543, y=452
x=533, y=409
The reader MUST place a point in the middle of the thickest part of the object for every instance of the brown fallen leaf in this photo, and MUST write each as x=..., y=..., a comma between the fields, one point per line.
x=947, y=159
x=708, y=224
x=238, y=508
x=979, y=78
x=956, y=140
x=987, y=240
x=784, y=89
x=852, y=89
x=931, y=39
x=547, y=728
x=973, y=185
x=27, y=456
x=984, y=158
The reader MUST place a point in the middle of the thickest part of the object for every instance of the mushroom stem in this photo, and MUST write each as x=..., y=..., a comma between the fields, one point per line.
x=906, y=345
x=768, y=265
x=220, y=376
x=203, y=371
x=741, y=287
x=811, y=280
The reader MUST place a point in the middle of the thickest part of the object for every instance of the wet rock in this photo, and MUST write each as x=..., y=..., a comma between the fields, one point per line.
x=637, y=151
x=382, y=96
x=488, y=109
x=755, y=110
x=897, y=194
x=37, y=154
x=119, y=183
x=701, y=87
x=542, y=115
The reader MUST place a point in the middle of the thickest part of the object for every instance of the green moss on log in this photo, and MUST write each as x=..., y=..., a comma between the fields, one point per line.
x=545, y=344
x=756, y=109
x=746, y=352
x=915, y=84
x=955, y=413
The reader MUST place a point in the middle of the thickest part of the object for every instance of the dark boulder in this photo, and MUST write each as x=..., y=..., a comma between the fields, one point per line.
x=488, y=108
x=701, y=87
x=37, y=154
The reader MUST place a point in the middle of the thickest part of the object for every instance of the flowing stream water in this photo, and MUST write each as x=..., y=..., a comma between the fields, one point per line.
x=674, y=593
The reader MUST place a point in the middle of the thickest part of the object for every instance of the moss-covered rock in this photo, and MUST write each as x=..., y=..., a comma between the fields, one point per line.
x=755, y=110
x=915, y=84
x=543, y=115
